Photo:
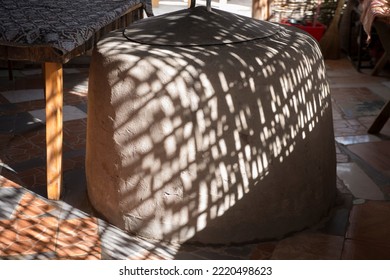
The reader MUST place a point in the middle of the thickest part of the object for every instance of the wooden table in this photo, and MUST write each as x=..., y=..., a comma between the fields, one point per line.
x=53, y=32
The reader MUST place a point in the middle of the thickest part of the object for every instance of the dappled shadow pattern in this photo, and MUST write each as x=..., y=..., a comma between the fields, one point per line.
x=32, y=227
x=211, y=143
x=38, y=229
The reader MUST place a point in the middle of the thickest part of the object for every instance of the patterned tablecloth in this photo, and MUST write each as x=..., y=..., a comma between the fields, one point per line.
x=63, y=25
x=374, y=9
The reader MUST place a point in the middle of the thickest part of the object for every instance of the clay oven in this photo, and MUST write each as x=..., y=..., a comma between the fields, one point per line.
x=210, y=127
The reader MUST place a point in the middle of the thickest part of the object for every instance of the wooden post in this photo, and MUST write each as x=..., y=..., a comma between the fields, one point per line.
x=54, y=105
x=261, y=9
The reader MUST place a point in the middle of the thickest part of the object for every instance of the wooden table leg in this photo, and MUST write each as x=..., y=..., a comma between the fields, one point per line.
x=54, y=105
x=381, y=119
x=380, y=64
x=10, y=73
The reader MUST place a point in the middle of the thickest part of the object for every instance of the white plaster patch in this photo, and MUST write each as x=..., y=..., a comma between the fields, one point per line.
x=70, y=113
x=71, y=71
x=32, y=72
x=18, y=96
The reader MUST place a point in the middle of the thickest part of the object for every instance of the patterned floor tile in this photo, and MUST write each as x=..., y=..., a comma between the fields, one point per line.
x=364, y=250
x=19, y=123
x=360, y=185
x=338, y=222
x=370, y=222
x=78, y=238
x=146, y=255
x=376, y=154
x=9, y=199
x=75, y=190
x=120, y=245
x=309, y=246
x=25, y=147
x=26, y=237
x=35, y=180
x=350, y=79
x=342, y=158
x=209, y=253
x=11, y=175
x=263, y=251
x=357, y=102
x=117, y=244
x=4, y=182
x=67, y=211
x=342, y=128
x=31, y=206
x=50, y=255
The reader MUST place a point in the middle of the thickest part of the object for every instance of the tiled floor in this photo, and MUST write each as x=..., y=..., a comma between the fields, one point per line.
x=32, y=227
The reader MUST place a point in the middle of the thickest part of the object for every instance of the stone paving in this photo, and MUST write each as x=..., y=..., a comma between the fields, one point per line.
x=32, y=227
